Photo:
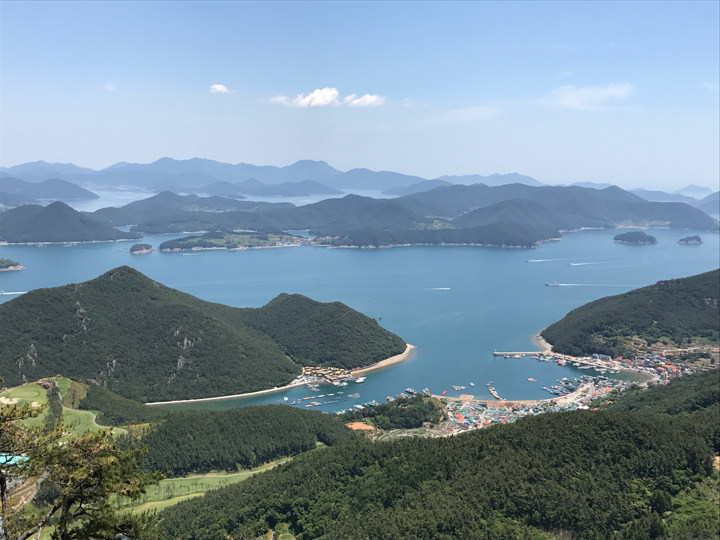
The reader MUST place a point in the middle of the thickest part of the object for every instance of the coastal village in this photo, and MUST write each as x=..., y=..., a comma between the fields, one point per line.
x=465, y=412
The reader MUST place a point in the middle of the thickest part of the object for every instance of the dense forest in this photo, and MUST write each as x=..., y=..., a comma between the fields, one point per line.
x=637, y=238
x=679, y=311
x=403, y=413
x=129, y=334
x=506, y=215
x=7, y=263
x=227, y=240
x=56, y=222
x=242, y=438
x=308, y=340
x=585, y=474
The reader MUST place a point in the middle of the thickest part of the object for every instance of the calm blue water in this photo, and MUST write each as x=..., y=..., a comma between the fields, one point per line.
x=455, y=304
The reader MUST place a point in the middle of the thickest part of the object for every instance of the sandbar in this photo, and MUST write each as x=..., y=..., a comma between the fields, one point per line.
x=294, y=384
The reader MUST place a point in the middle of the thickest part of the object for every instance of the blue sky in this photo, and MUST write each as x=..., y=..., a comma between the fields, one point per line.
x=572, y=91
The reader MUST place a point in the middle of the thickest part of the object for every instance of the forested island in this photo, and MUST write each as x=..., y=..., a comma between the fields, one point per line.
x=693, y=240
x=512, y=215
x=56, y=222
x=674, y=313
x=9, y=265
x=130, y=334
x=141, y=249
x=637, y=238
x=230, y=240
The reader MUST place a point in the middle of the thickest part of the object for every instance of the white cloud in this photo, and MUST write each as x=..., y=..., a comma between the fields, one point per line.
x=471, y=114
x=324, y=97
x=368, y=100
x=110, y=87
x=590, y=97
x=219, y=89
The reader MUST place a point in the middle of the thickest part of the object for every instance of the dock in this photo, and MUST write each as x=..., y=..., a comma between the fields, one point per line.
x=495, y=394
x=516, y=354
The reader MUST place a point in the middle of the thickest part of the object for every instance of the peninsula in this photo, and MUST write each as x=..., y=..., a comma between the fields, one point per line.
x=147, y=342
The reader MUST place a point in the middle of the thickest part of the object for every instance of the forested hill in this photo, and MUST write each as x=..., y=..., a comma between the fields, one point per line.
x=56, y=222
x=148, y=342
x=586, y=474
x=678, y=310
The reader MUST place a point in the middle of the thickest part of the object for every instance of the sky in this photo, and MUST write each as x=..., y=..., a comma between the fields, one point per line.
x=619, y=92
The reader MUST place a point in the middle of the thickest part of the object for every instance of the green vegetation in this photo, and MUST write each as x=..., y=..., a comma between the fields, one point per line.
x=638, y=238
x=144, y=341
x=226, y=240
x=693, y=240
x=506, y=215
x=170, y=491
x=114, y=410
x=7, y=263
x=302, y=329
x=243, y=438
x=679, y=311
x=77, y=475
x=56, y=222
x=604, y=474
x=140, y=248
x=406, y=413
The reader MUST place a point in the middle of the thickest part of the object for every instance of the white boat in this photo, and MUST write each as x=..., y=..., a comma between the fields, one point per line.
x=360, y=380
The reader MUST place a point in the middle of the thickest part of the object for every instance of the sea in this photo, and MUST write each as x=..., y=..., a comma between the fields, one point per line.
x=456, y=304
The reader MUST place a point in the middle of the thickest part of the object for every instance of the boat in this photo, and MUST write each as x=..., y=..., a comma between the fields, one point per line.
x=444, y=392
x=531, y=379
x=426, y=391
x=552, y=284
x=410, y=391
x=472, y=384
x=354, y=395
x=360, y=380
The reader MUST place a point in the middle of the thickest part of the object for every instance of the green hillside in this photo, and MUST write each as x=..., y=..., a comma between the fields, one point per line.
x=204, y=441
x=148, y=342
x=584, y=474
x=307, y=340
x=680, y=311
x=56, y=222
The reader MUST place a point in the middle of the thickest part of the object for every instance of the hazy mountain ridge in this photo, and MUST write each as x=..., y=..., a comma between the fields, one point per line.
x=52, y=188
x=56, y=222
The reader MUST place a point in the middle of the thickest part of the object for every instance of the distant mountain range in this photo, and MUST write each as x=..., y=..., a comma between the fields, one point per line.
x=130, y=334
x=506, y=215
x=305, y=177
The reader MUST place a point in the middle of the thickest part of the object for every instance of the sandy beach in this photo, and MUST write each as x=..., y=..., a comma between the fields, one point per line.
x=382, y=364
x=387, y=362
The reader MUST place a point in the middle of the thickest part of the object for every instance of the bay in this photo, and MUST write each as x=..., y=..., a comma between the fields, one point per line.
x=456, y=304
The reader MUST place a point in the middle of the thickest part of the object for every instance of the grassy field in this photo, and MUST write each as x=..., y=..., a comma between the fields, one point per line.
x=173, y=490
x=77, y=422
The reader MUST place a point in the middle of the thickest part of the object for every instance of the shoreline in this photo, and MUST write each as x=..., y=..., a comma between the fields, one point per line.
x=381, y=364
x=14, y=268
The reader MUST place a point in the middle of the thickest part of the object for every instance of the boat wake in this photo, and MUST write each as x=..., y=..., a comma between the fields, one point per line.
x=12, y=293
